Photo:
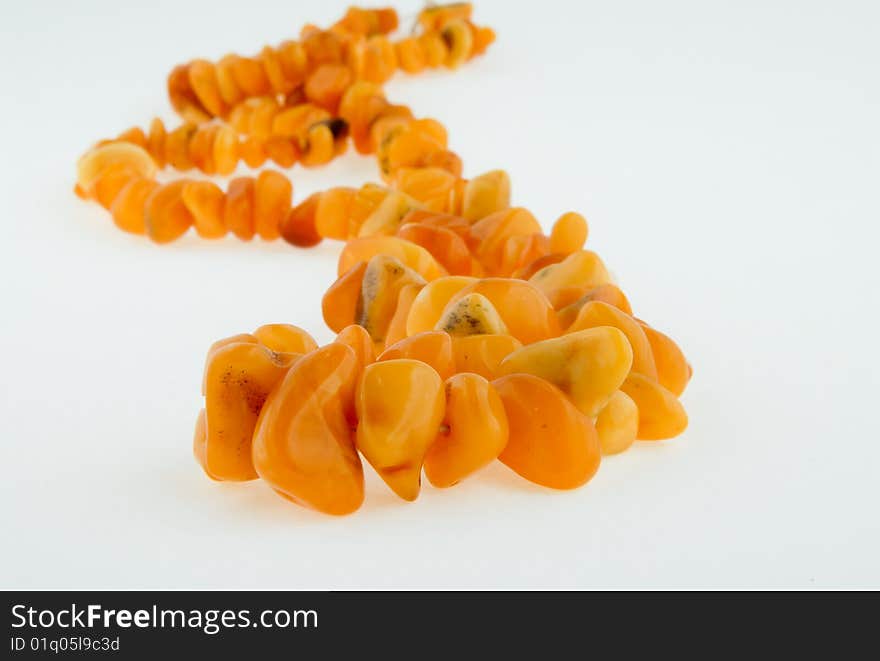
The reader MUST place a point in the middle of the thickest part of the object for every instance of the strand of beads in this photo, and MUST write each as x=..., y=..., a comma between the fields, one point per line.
x=443, y=373
x=310, y=123
x=464, y=333
x=355, y=48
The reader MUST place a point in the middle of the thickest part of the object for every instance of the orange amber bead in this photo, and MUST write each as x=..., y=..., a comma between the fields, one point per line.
x=570, y=300
x=474, y=431
x=128, y=207
x=298, y=227
x=326, y=85
x=271, y=62
x=205, y=201
x=433, y=348
x=428, y=305
x=483, y=37
x=383, y=279
x=339, y=305
x=379, y=60
x=249, y=76
x=226, y=85
x=432, y=186
x=385, y=219
x=400, y=406
x=109, y=153
x=661, y=415
x=166, y=217
x=472, y=314
x=238, y=214
x=241, y=338
x=182, y=97
x=332, y=213
x=285, y=338
x=411, y=145
x=597, y=313
x=225, y=151
x=450, y=162
x=397, y=326
x=588, y=366
x=112, y=180
x=482, y=354
x=460, y=40
x=550, y=443
x=527, y=271
x=528, y=315
x=455, y=224
x=177, y=147
x=617, y=423
x=447, y=247
x=201, y=148
x=273, y=193
x=434, y=48
x=410, y=55
x=294, y=62
x=673, y=371
x=358, y=340
x=253, y=152
x=322, y=46
x=303, y=441
x=569, y=233
x=282, y=151
x=203, y=82
x=485, y=195
x=493, y=231
x=238, y=378
x=580, y=269
x=409, y=254
x=520, y=250
x=567, y=301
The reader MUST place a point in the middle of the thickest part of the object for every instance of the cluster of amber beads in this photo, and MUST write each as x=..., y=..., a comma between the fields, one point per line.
x=258, y=130
x=464, y=333
x=412, y=154
x=546, y=370
x=443, y=372
x=322, y=63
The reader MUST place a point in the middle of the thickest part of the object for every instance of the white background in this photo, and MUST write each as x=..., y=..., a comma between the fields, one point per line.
x=726, y=156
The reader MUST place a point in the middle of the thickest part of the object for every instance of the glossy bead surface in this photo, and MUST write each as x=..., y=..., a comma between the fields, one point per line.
x=411, y=255
x=238, y=378
x=597, y=314
x=588, y=366
x=617, y=423
x=166, y=217
x=400, y=405
x=525, y=311
x=673, y=371
x=472, y=314
x=483, y=354
x=661, y=415
x=569, y=233
x=205, y=201
x=432, y=348
x=431, y=300
x=382, y=282
x=550, y=442
x=303, y=445
x=581, y=269
x=473, y=433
